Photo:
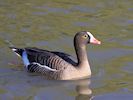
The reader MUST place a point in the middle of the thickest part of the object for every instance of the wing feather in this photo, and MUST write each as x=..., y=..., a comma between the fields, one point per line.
x=47, y=58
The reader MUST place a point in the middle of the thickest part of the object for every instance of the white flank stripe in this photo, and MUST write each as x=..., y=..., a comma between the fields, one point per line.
x=46, y=67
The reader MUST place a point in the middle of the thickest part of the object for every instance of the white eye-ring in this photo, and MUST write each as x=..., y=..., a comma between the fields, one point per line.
x=85, y=36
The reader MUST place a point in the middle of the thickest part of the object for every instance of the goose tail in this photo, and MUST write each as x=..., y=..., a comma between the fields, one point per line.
x=21, y=53
x=18, y=51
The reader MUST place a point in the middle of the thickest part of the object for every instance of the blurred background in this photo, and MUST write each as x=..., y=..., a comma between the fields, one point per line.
x=51, y=25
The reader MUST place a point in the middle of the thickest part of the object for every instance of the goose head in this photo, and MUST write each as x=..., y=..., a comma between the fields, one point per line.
x=84, y=38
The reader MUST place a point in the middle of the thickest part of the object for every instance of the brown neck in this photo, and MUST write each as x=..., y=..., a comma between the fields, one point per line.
x=81, y=54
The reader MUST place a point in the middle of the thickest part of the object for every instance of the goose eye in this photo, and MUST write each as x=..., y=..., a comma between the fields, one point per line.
x=85, y=36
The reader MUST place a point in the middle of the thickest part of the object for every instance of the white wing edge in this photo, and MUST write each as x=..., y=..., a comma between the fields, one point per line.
x=46, y=67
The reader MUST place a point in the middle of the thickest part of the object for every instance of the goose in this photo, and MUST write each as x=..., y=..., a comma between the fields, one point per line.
x=58, y=65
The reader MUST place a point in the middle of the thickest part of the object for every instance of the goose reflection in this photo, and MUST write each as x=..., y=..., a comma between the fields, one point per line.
x=83, y=90
x=63, y=90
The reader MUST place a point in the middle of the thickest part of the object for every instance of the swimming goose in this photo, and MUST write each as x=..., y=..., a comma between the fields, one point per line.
x=59, y=65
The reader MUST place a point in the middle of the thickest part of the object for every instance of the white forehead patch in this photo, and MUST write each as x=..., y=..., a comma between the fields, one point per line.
x=91, y=36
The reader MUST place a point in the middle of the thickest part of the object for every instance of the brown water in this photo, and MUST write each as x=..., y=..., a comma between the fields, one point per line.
x=51, y=24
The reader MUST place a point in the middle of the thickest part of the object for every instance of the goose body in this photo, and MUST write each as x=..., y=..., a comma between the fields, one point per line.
x=58, y=65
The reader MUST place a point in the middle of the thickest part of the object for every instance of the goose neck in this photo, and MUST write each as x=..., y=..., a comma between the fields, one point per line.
x=81, y=55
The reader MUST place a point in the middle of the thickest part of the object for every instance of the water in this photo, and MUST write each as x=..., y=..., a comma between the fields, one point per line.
x=51, y=25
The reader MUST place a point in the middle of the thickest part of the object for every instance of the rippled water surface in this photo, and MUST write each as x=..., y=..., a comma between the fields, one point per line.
x=51, y=24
